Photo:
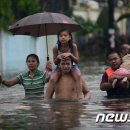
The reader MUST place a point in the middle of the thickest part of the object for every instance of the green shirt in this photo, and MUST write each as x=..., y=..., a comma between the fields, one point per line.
x=33, y=86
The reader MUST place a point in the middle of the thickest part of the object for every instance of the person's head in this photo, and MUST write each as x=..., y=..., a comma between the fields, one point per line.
x=114, y=60
x=125, y=48
x=64, y=37
x=32, y=61
x=65, y=65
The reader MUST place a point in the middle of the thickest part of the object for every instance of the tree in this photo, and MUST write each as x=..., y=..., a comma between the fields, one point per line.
x=6, y=13
x=88, y=26
x=123, y=16
x=13, y=10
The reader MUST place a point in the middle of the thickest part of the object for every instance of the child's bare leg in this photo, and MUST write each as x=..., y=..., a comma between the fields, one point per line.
x=114, y=83
x=77, y=77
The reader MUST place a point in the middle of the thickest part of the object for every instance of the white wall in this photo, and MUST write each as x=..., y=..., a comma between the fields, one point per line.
x=14, y=50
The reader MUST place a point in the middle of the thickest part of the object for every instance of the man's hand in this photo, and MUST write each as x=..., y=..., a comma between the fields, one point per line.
x=49, y=66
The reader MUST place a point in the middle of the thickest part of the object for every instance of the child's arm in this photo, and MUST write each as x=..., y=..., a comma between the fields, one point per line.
x=74, y=55
x=56, y=57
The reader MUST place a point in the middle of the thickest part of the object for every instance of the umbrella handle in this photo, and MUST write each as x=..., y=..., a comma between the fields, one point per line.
x=46, y=43
x=47, y=58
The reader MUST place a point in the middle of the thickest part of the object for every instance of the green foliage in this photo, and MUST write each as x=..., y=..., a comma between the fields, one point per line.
x=102, y=20
x=13, y=10
x=69, y=12
x=24, y=8
x=88, y=26
x=6, y=13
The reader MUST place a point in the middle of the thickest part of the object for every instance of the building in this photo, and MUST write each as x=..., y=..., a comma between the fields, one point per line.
x=90, y=10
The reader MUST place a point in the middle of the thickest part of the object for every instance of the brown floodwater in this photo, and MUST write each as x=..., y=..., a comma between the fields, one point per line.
x=18, y=113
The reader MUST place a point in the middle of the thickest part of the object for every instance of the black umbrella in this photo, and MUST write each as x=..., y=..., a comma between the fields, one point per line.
x=43, y=24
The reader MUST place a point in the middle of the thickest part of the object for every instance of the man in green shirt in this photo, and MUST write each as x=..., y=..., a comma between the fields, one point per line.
x=34, y=80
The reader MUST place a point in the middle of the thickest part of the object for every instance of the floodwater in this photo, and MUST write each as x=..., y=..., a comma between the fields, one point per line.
x=18, y=113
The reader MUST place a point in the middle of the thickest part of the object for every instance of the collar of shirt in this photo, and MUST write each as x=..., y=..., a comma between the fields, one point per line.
x=37, y=73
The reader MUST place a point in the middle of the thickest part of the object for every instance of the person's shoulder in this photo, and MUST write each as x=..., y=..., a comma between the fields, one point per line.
x=74, y=45
x=104, y=78
x=104, y=74
x=24, y=73
x=55, y=47
x=108, y=68
x=105, y=70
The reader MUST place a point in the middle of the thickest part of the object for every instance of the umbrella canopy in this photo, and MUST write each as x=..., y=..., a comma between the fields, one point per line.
x=43, y=24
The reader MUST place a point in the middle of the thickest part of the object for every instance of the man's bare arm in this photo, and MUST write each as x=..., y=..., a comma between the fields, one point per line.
x=105, y=86
x=9, y=83
x=86, y=91
x=49, y=92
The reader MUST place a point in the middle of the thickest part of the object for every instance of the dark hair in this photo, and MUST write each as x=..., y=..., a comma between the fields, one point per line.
x=70, y=42
x=112, y=52
x=125, y=45
x=33, y=55
x=67, y=59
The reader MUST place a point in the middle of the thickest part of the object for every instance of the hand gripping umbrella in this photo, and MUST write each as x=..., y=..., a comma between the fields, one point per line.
x=43, y=24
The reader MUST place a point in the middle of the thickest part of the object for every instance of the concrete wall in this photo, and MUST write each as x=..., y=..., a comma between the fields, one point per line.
x=14, y=50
